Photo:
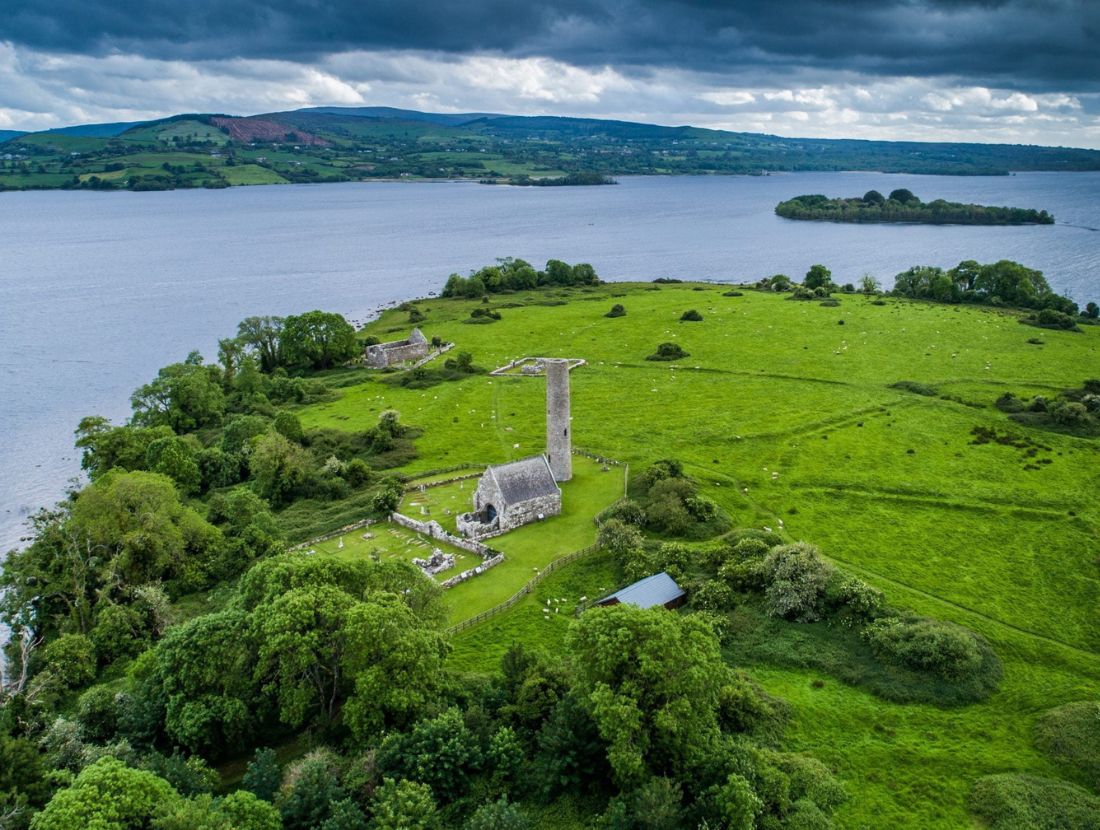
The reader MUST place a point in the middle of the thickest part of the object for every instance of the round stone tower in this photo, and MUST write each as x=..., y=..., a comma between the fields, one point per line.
x=559, y=440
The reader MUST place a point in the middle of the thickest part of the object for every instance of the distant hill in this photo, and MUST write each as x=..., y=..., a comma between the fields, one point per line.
x=333, y=144
x=6, y=134
x=392, y=113
x=97, y=130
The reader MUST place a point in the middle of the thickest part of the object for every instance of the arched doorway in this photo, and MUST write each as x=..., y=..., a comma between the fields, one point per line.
x=490, y=514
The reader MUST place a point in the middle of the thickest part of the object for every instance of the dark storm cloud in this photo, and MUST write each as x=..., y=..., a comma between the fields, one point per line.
x=1027, y=44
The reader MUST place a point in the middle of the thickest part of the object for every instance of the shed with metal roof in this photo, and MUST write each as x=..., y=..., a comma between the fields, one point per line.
x=659, y=589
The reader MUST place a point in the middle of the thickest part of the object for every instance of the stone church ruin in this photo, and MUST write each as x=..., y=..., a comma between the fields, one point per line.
x=381, y=355
x=519, y=492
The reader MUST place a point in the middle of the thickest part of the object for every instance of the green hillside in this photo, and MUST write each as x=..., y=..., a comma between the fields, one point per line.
x=787, y=414
x=363, y=143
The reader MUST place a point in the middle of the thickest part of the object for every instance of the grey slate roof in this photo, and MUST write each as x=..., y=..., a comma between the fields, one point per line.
x=528, y=478
x=652, y=591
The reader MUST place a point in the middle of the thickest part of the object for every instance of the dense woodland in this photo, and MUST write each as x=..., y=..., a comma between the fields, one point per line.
x=903, y=206
x=360, y=144
x=163, y=631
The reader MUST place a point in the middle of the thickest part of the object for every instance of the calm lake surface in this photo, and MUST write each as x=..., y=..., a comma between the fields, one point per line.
x=98, y=290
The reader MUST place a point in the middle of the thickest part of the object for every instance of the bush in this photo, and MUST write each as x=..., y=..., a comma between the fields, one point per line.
x=119, y=632
x=357, y=473
x=617, y=310
x=857, y=597
x=796, y=579
x=498, y=815
x=71, y=658
x=1010, y=403
x=1069, y=413
x=463, y=363
x=743, y=576
x=916, y=388
x=666, y=506
x=668, y=351
x=263, y=776
x=691, y=316
x=817, y=277
x=484, y=315
x=97, y=714
x=387, y=496
x=1026, y=802
x=712, y=595
x=1070, y=735
x=1051, y=318
x=626, y=511
x=619, y=538
x=289, y=426
x=950, y=651
x=750, y=548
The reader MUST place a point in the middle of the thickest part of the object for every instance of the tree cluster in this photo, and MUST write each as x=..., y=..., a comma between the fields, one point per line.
x=314, y=340
x=664, y=500
x=512, y=274
x=1003, y=283
x=1076, y=411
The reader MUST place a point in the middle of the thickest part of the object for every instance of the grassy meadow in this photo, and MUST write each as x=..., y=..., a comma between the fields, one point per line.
x=785, y=413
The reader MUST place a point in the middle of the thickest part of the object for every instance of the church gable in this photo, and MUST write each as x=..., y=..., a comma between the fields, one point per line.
x=511, y=495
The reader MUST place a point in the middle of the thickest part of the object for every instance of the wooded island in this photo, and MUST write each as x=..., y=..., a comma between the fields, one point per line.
x=903, y=206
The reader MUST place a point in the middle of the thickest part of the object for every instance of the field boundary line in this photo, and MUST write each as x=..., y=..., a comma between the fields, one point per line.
x=1026, y=632
x=529, y=586
x=946, y=502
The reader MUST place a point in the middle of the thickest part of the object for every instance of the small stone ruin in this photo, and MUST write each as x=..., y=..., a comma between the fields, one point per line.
x=436, y=563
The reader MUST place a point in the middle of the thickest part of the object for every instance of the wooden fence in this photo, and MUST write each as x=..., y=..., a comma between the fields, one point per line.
x=522, y=592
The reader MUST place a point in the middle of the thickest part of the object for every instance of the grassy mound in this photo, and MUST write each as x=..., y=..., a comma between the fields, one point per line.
x=755, y=638
x=1025, y=802
x=1070, y=735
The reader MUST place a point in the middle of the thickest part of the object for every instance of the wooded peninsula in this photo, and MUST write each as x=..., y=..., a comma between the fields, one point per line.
x=904, y=206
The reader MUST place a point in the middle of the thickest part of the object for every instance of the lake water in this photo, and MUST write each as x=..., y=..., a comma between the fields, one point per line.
x=98, y=290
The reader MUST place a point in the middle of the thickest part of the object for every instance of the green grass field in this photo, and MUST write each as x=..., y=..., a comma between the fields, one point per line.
x=387, y=540
x=784, y=413
x=250, y=174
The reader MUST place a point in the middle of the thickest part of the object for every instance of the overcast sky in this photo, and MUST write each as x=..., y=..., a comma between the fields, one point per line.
x=975, y=70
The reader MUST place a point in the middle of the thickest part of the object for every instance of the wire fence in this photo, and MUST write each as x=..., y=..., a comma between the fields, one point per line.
x=524, y=591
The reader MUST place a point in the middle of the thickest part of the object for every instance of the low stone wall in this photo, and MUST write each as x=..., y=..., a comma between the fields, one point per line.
x=341, y=532
x=412, y=487
x=491, y=562
x=435, y=530
x=432, y=355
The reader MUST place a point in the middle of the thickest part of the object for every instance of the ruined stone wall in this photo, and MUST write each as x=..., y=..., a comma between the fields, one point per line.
x=435, y=530
x=491, y=562
x=528, y=511
x=381, y=355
